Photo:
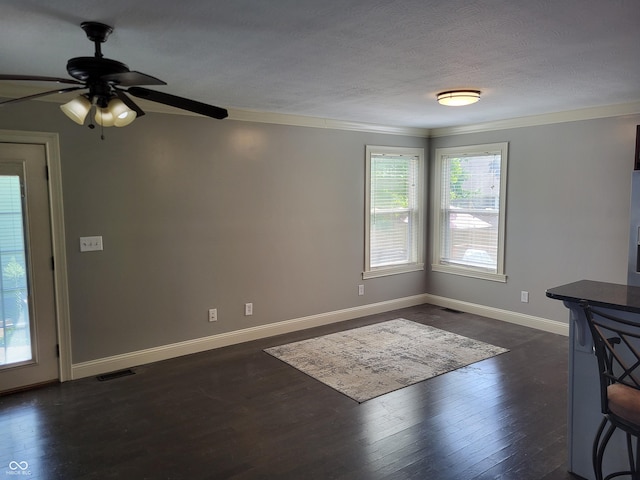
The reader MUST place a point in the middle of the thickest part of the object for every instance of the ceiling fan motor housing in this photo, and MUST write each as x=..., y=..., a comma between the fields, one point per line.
x=87, y=69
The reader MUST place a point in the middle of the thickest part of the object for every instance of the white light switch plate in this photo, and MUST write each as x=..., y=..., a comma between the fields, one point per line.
x=90, y=244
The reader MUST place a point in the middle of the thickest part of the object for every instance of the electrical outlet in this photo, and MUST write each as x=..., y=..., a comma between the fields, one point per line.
x=360, y=290
x=524, y=297
x=248, y=309
x=213, y=314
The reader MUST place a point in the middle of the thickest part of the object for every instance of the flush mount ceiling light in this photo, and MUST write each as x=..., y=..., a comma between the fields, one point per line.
x=457, y=98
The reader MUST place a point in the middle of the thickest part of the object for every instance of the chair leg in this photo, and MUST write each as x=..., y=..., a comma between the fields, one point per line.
x=600, y=456
x=596, y=456
x=632, y=467
x=635, y=467
x=600, y=443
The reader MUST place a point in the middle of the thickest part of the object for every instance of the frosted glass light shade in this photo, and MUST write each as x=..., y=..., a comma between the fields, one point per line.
x=458, y=98
x=104, y=117
x=77, y=109
x=122, y=114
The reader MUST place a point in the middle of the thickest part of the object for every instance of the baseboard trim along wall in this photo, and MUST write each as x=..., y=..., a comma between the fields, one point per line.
x=539, y=323
x=165, y=352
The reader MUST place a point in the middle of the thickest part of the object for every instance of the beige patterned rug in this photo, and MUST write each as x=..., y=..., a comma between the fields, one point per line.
x=370, y=361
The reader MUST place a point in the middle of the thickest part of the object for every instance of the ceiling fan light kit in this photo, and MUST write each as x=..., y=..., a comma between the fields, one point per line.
x=458, y=98
x=105, y=80
x=104, y=117
x=77, y=109
x=123, y=115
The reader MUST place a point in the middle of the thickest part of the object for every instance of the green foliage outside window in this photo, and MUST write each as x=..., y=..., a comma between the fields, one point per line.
x=458, y=175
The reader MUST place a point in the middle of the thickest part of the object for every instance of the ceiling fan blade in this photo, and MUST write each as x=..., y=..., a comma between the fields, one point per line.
x=35, y=78
x=41, y=94
x=129, y=103
x=127, y=79
x=179, y=102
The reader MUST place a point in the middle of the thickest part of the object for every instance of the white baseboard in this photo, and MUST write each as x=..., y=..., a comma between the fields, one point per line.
x=539, y=323
x=127, y=360
x=165, y=352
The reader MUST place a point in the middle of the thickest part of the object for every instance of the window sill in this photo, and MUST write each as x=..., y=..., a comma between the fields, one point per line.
x=392, y=270
x=470, y=272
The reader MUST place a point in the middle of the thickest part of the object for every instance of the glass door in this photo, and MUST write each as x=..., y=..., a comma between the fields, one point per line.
x=28, y=322
x=15, y=320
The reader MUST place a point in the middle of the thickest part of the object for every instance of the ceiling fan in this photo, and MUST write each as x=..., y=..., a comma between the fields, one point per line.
x=105, y=79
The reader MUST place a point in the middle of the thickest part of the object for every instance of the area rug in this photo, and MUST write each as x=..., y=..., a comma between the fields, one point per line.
x=366, y=362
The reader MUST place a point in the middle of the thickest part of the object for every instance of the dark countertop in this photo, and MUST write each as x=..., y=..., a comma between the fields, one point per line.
x=602, y=294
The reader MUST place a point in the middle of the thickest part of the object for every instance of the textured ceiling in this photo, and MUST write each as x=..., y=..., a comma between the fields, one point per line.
x=379, y=62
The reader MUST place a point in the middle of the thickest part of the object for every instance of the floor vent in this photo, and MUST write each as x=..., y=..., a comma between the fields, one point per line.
x=451, y=310
x=114, y=375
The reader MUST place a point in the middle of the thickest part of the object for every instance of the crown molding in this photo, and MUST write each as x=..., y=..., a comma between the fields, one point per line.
x=12, y=90
x=317, y=122
x=544, y=119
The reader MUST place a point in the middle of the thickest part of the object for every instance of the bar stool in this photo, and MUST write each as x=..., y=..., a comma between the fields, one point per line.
x=619, y=385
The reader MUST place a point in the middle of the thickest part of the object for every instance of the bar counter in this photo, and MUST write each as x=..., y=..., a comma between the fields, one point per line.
x=601, y=294
x=584, y=412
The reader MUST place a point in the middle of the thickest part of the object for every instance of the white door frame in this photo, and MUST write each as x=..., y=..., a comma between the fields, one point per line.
x=56, y=213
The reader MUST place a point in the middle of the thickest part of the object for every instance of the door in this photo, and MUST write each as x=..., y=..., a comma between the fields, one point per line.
x=28, y=330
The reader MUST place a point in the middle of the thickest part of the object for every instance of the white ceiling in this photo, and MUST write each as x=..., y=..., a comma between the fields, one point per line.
x=372, y=61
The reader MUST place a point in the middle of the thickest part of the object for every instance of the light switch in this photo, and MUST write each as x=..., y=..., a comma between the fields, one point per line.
x=90, y=244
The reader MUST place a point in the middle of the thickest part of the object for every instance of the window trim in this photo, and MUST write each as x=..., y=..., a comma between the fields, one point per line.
x=419, y=263
x=470, y=271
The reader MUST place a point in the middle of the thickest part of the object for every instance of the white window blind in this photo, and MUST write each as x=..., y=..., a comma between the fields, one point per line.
x=470, y=216
x=394, y=211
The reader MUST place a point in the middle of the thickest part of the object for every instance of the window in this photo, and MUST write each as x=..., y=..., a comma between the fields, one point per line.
x=15, y=327
x=394, y=211
x=469, y=211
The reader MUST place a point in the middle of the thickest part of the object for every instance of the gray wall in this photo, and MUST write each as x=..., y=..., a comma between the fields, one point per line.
x=197, y=213
x=567, y=212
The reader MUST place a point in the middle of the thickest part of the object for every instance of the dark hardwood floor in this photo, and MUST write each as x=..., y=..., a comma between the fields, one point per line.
x=238, y=413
